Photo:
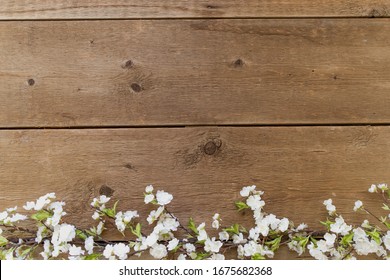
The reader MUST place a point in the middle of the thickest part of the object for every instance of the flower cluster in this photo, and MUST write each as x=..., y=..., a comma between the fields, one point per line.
x=163, y=236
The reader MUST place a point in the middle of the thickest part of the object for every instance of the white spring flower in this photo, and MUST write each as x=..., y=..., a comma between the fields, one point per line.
x=154, y=215
x=238, y=238
x=301, y=227
x=211, y=245
x=122, y=219
x=100, y=228
x=189, y=247
x=386, y=240
x=148, y=198
x=358, y=205
x=149, y=189
x=283, y=225
x=246, y=191
x=202, y=234
x=40, y=231
x=12, y=209
x=263, y=227
x=254, y=233
x=88, y=244
x=40, y=203
x=63, y=233
x=100, y=202
x=151, y=239
x=329, y=239
x=255, y=202
x=108, y=252
x=173, y=244
x=169, y=223
x=366, y=224
x=383, y=187
x=95, y=215
x=372, y=189
x=75, y=252
x=223, y=236
x=46, y=254
x=295, y=246
x=181, y=257
x=330, y=207
x=158, y=251
x=163, y=198
x=121, y=250
x=340, y=226
x=217, y=257
x=17, y=217
x=216, y=219
x=316, y=253
x=240, y=251
x=3, y=215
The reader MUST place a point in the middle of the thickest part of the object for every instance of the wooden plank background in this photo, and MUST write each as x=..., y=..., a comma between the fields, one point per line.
x=118, y=73
x=119, y=9
x=199, y=98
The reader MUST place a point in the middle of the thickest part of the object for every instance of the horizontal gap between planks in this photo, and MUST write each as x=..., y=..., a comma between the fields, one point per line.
x=197, y=18
x=194, y=125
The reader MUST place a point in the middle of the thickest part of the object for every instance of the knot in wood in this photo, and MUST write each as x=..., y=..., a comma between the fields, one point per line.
x=238, y=63
x=210, y=148
x=136, y=87
x=106, y=190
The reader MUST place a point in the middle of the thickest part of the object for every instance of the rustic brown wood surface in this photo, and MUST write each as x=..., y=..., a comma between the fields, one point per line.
x=125, y=73
x=95, y=9
x=204, y=168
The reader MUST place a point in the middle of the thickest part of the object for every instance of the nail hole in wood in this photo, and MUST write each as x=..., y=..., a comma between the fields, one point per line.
x=30, y=82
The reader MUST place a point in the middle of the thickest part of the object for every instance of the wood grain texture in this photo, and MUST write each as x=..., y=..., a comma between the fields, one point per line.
x=95, y=9
x=140, y=73
x=204, y=168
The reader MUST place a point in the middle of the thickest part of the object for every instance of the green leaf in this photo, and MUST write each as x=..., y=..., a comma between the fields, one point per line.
x=347, y=240
x=233, y=229
x=313, y=240
x=109, y=212
x=327, y=223
x=114, y=208
x=202, y=256
x=92, y=231
x=3, y=241
x=92, y=257
x=191, y=225
x=385, y=207
x=41, y=215
x=257, y=257
x=387, y=225
x=27, y=251
x=241, y=205
x=274, y=243
x=303, y=242
x=375, y=236
x=81, y=234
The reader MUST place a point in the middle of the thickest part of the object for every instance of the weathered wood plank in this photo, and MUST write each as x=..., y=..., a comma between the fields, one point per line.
x=95, y=9
x=99, y=73
x=204, y=168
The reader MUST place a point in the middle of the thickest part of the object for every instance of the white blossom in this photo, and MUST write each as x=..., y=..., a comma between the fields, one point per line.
x=386, y=240
x=202, y=234
x=301, y=227
x=189, y=247
x=148, y=198
x=154, y=215
x=158, y=251
x=330, y=207
x=383, y=187
x=88, y=244
x=63, y=233
x=172, y=244
x=211, y=245
x=247, y=190
x=373, y=188
x=149, y=189
x=3, y=215
x=108, y=252
x=283, y=225
x=255, y=202
x=163, y=198
x=121, y=250
x=17, y=217
x=95, y=215
x=329, y=239
x=358, y=205
x=223, y=236
x=340, y=226
x=181, y=257
x=100, y=228
x=254, y=233
x=216, y=219
x=75, y=252
x=238, y=238
x=217, y=257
